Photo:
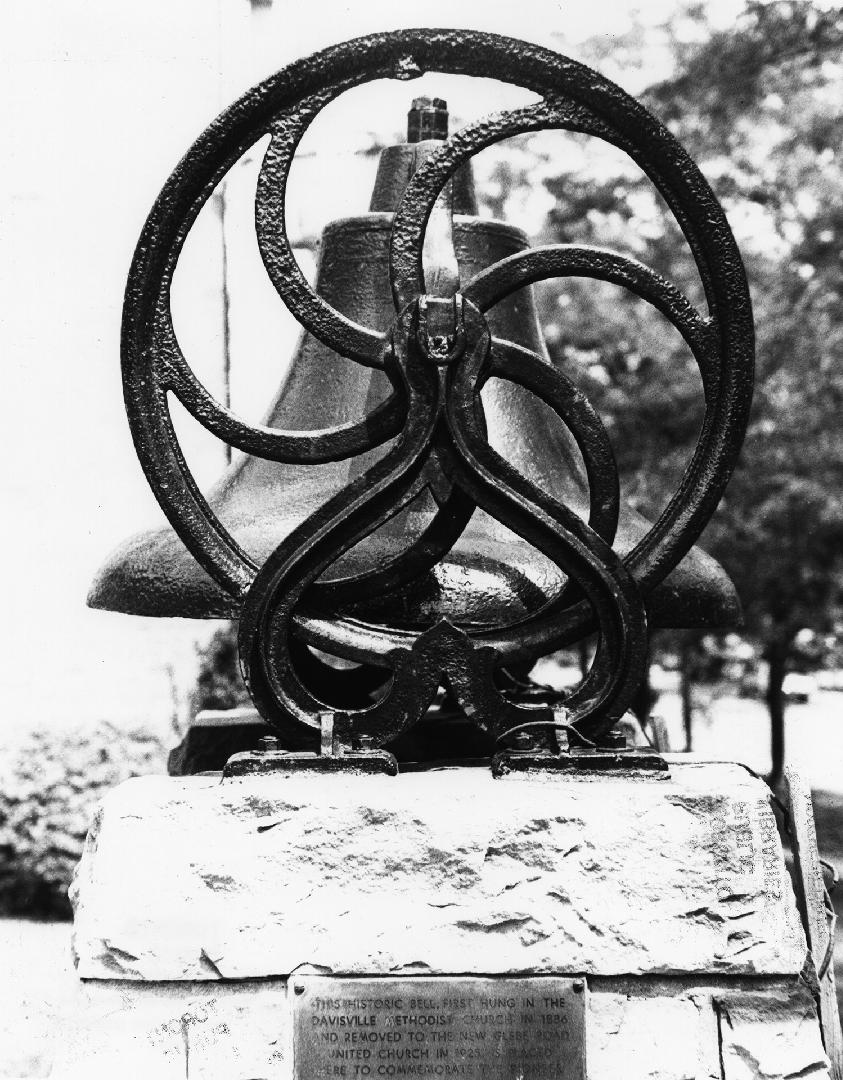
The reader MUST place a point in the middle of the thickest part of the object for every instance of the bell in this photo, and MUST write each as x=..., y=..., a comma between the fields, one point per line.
x=491, y=576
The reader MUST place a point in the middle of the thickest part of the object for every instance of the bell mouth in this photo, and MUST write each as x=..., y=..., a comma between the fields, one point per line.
x=495, y=583
x=491, y=578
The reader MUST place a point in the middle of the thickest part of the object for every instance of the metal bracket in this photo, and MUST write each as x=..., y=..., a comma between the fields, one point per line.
x=441, y=329
x=599, y=760
x=333, y=757
x=265, y=762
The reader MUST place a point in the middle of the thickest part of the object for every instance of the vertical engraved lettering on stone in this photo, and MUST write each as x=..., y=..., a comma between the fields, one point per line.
x=749, y=869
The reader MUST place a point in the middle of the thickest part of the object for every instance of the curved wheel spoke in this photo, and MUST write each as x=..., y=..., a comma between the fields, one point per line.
x=443, y=531
x=200, y=529
x=576, y=99
x=566, y=260
x=552, y=113
x=292, y=568
x=562, y=536
x=519, y=365
x=334, y=329
x=722, y=344
x=345, y=519
x=291, y=447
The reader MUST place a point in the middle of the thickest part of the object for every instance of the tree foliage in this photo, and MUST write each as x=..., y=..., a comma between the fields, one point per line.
x=758, y=107
x=50, y=785
x=219, y=684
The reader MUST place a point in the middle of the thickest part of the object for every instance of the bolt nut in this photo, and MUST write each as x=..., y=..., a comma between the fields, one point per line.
x=522, y=740
x=268, y=743
x=427, y=119
x=364, y=743
x=614, y=740
x=578, y=986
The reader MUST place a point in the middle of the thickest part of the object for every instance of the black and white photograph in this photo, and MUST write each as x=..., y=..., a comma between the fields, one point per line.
x=424, y=540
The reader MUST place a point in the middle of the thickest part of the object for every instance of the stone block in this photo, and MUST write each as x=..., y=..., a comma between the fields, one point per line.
x=170, y=1031
x=771, y=1036
x=434, y=873
x=652, y=1033
x=638, y=1029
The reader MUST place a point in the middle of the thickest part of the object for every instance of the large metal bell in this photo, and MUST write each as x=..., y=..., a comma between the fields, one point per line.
x=491, y=576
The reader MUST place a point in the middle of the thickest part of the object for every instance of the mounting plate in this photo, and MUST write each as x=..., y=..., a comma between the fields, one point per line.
x=586, y=760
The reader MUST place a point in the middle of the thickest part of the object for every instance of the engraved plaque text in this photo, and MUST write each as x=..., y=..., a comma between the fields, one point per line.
x=473, y=1028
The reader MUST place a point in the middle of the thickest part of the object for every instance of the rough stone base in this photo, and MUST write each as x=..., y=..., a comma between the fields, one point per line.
x=196, y=899
x=193, y=878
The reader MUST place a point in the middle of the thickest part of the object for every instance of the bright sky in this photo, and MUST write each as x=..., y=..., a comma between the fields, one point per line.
x=100, y=100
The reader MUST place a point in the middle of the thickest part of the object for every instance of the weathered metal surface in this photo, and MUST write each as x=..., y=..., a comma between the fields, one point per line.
x=573, y=761
x=278, y=762
x=261, y=502
x=427, y=119
x=432, y=407
x=477, y=1029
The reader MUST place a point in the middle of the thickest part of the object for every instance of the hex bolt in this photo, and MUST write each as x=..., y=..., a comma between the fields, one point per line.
x=268, y=743
x=364, y=743
x=522, y=740
x=614, y=740
x=578, y=986
x=427, y=119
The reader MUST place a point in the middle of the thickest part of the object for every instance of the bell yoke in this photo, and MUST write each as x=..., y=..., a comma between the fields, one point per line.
x=430, y=500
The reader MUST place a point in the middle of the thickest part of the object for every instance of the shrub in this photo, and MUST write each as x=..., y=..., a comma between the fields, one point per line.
x=50, y=784
x=219, y=684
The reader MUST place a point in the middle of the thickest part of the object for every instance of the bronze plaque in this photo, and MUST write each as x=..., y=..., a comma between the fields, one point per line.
x=474, y=1028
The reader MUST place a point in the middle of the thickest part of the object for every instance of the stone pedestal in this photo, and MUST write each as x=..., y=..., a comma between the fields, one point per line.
x=199, y=901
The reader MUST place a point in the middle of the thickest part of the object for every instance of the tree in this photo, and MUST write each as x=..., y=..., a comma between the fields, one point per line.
x=767, y=99
x=758, y=107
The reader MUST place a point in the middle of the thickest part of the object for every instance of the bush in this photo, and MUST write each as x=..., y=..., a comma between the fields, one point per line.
x=219, y=684
x=50, y=784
